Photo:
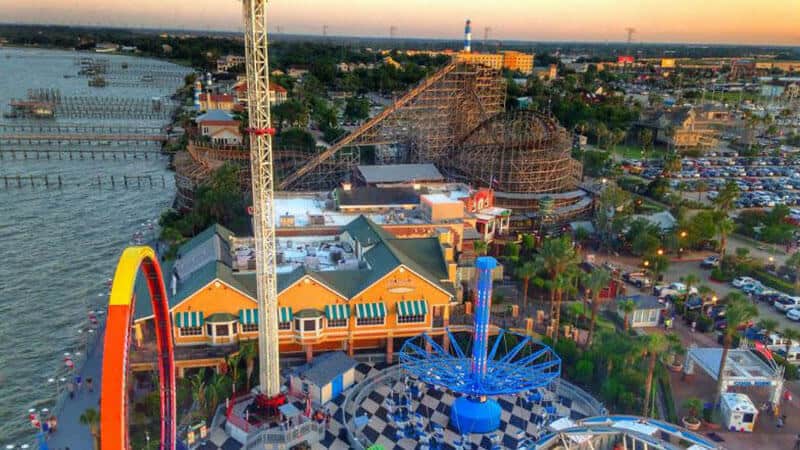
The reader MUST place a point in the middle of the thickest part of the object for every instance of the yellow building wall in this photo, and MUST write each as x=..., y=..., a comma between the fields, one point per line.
x=518, y=61
x=217, y=297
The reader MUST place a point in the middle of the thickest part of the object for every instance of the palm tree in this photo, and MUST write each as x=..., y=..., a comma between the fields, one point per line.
x=653, y=345
x=525, y=272
x=768, y=325
x=216, y=390
x=727, y=197
x=791, y=335
x=233, y=362
x=738, y=312
x=725, y=227
x=198, y=382
x=595, y=282
x=91, y=418
x=248, y=352
x=675, y=347
x=480, y=247
x=794, y=263
x=628, y=307
x=556, y=256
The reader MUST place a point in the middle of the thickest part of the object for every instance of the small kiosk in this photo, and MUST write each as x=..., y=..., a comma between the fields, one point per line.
x=738, y=412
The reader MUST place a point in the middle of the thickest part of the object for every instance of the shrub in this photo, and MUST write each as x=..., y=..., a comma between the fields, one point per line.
x=718, y=275
x=704, y=323
x=773, y=281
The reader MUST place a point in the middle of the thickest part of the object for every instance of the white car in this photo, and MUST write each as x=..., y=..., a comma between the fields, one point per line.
x=741, y=281
x=793, y=314
x=787, y=303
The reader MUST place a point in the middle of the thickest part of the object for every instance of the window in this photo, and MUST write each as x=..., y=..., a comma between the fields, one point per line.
x=337, y=323
x=209, y=329
x=748, y=418
x=235, y=327
x=411, y=319
x=191, y=331
x=250, y=328
x=310, y=325
x=284, y=325
x=222, y=330
x=370, y=321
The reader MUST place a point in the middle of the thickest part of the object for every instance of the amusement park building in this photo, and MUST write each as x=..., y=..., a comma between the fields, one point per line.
x=397, y=288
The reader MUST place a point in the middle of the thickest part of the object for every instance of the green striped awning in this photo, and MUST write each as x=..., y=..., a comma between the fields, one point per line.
x=370, y=310
x=188, y=319
x=248, y=316
x=285, y=314
x=337, y=312
x=412, y=308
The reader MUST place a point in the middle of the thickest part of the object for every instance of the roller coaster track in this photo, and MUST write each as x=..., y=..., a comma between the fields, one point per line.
x=369, y=125
x=114, y=393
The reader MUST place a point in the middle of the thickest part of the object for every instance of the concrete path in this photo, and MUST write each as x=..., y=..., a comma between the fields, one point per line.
x=71, y=433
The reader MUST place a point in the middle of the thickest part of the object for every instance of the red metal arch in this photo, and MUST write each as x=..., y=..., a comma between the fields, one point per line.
x=114, y=392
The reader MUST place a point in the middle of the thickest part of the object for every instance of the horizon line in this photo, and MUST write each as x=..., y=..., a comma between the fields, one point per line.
x=397, y=38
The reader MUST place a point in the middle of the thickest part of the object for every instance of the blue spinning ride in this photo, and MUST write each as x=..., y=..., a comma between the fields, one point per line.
x=526, y=366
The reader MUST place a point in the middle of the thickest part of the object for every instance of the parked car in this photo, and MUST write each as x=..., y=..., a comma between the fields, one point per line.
x=710, y=262
x=741, y=281
x=674, y=289
x=637, y=279
x=793, y=314
x=786, y=303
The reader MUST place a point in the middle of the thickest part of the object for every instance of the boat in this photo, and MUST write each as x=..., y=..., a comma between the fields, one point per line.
x=98, y=82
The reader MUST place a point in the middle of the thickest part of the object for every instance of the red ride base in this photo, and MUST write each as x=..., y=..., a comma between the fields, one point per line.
x=270, y=405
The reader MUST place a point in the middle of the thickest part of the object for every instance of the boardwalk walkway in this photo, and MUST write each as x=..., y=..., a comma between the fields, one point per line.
x=70, y=431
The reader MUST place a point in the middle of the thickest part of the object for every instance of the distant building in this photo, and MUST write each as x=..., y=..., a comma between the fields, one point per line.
x=226, y=63
x=668, y=63
x=220, y=127
x=680, y=128
x=389, y=61
x=521, y=62
x=277, y=93
x=224, y=102
x=511, y=60
x=743, y=68
x=166, y=48
x=547, y=73
x=296, y=72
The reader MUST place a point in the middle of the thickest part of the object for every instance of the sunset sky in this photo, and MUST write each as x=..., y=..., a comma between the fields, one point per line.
x=709, y=21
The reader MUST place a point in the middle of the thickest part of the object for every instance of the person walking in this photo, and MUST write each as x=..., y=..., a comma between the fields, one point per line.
x=89, y=385
x=77, y=384
x=71, y=390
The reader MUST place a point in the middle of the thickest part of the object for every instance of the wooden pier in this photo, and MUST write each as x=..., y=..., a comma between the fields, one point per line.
x=57, y=181
x=78, y=154
x=77, y=138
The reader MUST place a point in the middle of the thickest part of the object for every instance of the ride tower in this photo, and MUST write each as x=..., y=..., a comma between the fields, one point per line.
x=260, y=132
x=489, y=370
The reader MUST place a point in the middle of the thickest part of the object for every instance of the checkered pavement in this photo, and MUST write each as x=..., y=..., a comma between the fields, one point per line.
x=520, y=419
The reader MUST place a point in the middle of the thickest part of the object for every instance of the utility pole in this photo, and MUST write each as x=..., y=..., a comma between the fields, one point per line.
x=261, y=131
x=486, y=31
x=630, y=32
x=392, y=32
x=324, y=30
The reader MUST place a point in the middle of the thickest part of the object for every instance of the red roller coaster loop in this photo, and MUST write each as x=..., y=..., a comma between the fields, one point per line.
x=114, y=392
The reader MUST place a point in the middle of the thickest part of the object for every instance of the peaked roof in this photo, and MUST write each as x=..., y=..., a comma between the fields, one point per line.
x=215, y=115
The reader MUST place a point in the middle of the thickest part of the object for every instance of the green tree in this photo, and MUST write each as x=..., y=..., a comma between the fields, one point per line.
x=481, y=247
x=216, y=390
x=627, y=307
x=220, y=199
x=91, y=419
x=738, y=312
x=356, y=109
x=727, y=196
x=525, y=271
x=646, y=138
x=597, y=280
x=654, y=344
x=768, y=325
x=556, y=257
x=791, y=335
x=690, y=280
x=198, y=383
x=248, y=352
x=725, y=226
x=794, y=263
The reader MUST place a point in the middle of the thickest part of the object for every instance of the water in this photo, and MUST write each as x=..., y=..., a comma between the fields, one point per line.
x=58, y=247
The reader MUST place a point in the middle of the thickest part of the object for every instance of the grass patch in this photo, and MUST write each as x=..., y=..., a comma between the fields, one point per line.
x=734, y=97
x=631, y=151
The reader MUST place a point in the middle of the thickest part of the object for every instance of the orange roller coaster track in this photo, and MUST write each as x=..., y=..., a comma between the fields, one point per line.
x=114, y=397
